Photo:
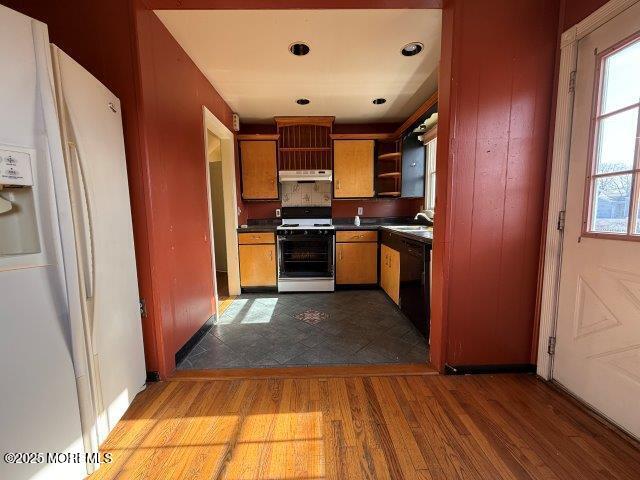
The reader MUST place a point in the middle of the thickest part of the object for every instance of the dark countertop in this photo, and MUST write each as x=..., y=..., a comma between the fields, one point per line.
x=425, y=237
x=347, y=224
x=257, y=228
x=384, y=224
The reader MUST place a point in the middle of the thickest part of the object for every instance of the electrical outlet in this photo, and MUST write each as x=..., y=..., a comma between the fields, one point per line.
x=277, y=213
x=360, y=210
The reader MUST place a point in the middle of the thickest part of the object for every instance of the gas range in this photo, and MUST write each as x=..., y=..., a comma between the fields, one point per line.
x=311, y=226
x=306, y=256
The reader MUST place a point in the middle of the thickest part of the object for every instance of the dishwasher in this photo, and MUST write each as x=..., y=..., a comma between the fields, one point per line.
x=414, y=283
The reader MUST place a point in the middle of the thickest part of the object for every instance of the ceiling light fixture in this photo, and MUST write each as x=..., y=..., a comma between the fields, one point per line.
x=411, y=49
x=379, y=101
x=299, y=49
x=303, y=101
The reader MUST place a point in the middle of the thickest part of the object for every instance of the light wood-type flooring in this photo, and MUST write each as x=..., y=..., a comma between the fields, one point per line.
x=364, y=426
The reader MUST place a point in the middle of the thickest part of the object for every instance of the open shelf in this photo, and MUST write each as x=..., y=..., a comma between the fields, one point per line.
x=389, y=175
x=304, y=143
x=389, y=194
x=390, y=156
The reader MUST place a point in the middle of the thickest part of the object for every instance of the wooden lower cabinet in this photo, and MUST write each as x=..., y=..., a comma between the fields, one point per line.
x=257, y=265
x=390, y=272
x=356, y=263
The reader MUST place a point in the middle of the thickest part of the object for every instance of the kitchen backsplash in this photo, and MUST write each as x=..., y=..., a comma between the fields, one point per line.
x=316, y=194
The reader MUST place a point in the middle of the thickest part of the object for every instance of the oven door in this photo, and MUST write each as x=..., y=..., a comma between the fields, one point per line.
x=305, y=255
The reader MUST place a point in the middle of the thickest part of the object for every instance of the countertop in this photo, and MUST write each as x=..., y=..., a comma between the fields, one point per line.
x=384, y=224
x=367, y=224
x=257, y=228
x=425, y=237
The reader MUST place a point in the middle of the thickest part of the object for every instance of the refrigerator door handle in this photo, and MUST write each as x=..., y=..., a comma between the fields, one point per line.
x=86, y=224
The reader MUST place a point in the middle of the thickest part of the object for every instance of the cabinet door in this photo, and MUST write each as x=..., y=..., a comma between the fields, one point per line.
x=356, y=263
x=390, y=272
x=413, y=165
x=384, y=268
x=394, y=275
x=257, y=265
x=259, y=170
x=353, y=168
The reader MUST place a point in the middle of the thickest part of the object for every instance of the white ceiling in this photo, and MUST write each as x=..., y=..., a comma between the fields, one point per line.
x=355, y=57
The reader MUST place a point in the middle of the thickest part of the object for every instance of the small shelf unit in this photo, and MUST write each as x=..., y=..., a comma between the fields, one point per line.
x=389, y=168
x=305, y=143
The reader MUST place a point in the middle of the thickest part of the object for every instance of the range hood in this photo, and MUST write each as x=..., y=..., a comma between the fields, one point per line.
x=305, y=175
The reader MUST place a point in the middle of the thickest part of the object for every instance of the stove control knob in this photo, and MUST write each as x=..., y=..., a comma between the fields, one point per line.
x=306, y=232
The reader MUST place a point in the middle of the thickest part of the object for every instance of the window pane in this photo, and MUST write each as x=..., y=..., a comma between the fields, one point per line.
x=616, y=142
x=611, y=199
x=621, y=86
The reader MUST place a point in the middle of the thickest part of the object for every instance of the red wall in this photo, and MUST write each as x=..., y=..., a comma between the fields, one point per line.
x=574, y=11
x=173, y=91
x=496, y=87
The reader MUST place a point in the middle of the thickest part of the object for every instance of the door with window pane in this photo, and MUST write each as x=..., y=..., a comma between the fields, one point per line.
x=597, y=353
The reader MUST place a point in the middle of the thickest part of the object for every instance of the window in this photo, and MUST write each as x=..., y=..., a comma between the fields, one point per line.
x=430, y=175
x=613, y=183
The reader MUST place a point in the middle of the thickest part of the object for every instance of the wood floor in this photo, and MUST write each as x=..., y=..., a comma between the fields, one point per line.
x=224, y=299
x=412, y=427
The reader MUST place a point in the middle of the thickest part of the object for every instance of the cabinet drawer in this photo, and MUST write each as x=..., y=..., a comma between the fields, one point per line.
x=357, y=236
x=256, y=238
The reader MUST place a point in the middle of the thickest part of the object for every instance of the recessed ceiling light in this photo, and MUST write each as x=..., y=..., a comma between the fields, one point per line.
x=299, y=49
x=379, y=101
x=411, y=49
x=303, y=101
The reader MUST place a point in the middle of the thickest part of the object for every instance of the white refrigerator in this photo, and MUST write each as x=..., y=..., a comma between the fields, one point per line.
x=71, y=352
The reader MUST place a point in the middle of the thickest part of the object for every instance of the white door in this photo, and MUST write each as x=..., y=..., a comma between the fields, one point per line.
x=598, y=329
x=97, y=176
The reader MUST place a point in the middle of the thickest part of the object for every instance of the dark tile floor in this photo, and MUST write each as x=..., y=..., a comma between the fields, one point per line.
x=293, y=329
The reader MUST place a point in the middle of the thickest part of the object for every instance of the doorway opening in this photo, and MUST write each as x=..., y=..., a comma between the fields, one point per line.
x=214, y=164
x=220, y=172
x=333, y=262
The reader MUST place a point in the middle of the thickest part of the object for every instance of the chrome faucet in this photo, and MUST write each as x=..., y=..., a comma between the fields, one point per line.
x=426, y=214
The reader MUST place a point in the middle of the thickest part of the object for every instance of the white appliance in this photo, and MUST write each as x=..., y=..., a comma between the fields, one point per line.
x=305, y=176
x=306, y=253
x=71, y=349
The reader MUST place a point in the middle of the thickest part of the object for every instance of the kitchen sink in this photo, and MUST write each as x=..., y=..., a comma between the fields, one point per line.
x=411, y=228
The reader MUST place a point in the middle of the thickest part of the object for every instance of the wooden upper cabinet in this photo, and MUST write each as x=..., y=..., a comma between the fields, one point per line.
x=353, y=168
x=259, y=167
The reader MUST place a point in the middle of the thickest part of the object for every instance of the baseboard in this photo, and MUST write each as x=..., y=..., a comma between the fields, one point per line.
x=479, y=369
x=310, y=371
x=202, y=331
x=358, y=286
x=258, y=289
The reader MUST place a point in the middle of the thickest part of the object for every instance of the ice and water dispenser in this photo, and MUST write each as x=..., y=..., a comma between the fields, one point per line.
x=18, y=219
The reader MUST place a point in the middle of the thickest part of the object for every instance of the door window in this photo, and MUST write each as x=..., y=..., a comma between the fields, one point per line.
x=613, y=184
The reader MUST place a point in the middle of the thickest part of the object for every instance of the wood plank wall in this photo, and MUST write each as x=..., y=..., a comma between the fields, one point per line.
x=497, y=75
